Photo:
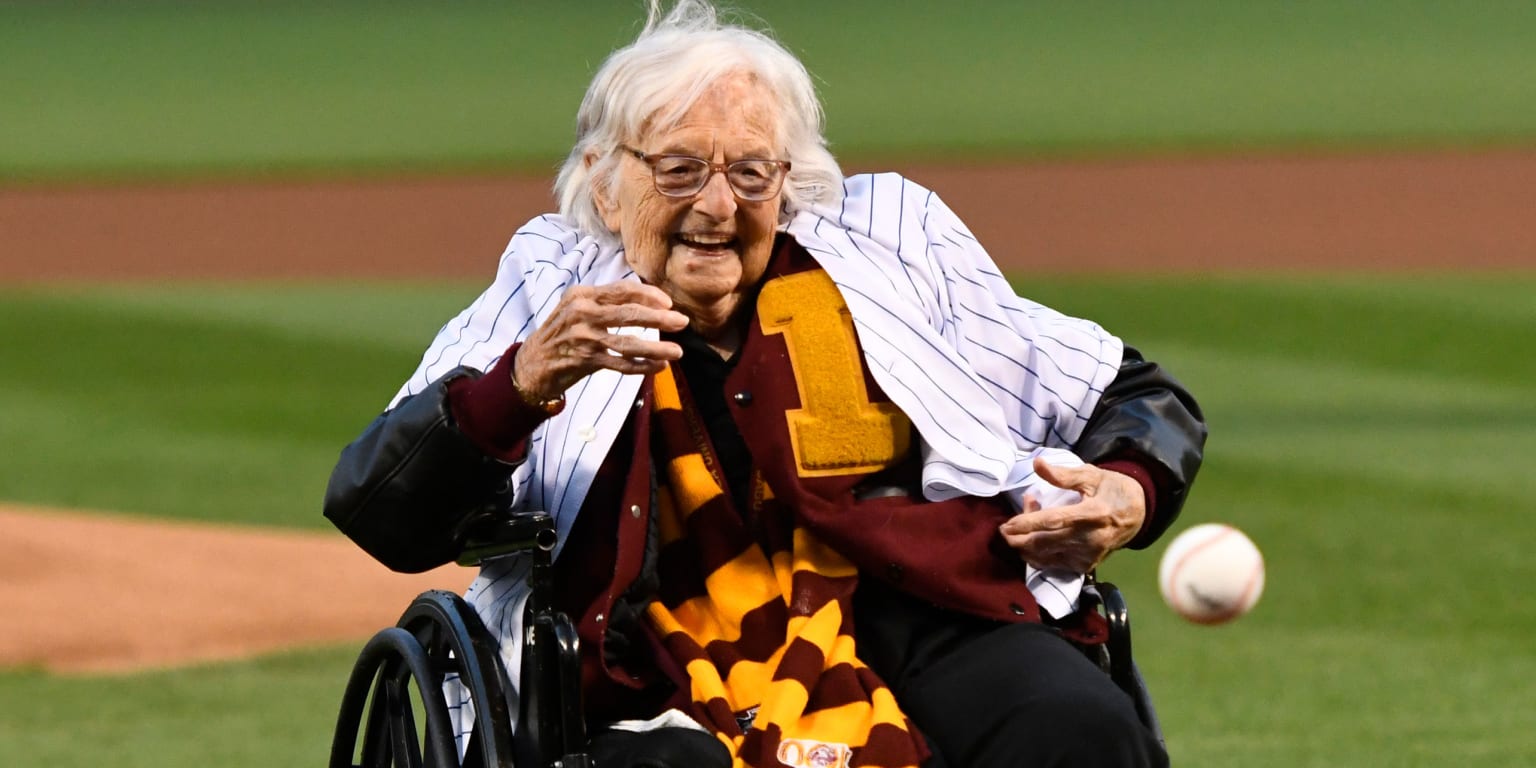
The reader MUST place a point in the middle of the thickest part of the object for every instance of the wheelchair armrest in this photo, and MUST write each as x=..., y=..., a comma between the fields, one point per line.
x=1122, y=665
x=1118, y=614
x=490, y=538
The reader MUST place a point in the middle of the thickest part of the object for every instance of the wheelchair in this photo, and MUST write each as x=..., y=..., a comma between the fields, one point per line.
x=439, y=638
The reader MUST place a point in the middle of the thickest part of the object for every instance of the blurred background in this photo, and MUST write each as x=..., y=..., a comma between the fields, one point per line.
x=228, y=230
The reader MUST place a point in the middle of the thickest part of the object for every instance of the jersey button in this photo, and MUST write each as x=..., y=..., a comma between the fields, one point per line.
x=742, y=398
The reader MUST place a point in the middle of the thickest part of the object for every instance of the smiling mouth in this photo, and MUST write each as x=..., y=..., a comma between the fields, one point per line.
x=716, y=244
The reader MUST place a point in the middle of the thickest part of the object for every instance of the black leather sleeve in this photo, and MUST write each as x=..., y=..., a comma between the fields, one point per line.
x=408, y=487
x=1147, y=416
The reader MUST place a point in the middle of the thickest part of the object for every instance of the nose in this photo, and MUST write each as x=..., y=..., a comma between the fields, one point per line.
x=716, y=200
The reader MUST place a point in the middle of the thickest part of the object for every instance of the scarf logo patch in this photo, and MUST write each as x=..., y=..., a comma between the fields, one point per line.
x=808, y=753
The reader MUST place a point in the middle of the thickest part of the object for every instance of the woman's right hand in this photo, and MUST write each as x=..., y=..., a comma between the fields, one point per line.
x=578, y=339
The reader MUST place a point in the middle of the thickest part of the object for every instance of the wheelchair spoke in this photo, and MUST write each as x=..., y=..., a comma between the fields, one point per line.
x=376, y=732
x=402, y=726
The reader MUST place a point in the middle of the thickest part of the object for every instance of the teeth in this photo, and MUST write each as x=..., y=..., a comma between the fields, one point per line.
x=707, y=239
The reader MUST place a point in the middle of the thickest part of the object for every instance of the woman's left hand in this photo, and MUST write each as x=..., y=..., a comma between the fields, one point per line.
x=1077, y=537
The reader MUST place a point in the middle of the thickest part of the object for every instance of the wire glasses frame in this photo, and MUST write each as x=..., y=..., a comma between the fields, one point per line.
x=686, y=175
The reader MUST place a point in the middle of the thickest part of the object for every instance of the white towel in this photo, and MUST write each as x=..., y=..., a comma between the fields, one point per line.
x=1056, y=591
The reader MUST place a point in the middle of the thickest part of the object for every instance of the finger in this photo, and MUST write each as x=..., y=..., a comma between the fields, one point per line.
x=1029, y=503
x=627, y=315
x=632, y=293
x=1083, y=479
x=647, y=317
x=626, y=345
x=1025, y=520
x=640, y=365
x=1049, y=550
x=1030, y=521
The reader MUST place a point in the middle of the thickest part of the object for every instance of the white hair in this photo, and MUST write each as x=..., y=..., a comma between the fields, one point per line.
x=653, y=82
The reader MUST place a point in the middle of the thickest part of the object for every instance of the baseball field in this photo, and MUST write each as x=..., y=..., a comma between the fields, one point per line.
x=228, y=229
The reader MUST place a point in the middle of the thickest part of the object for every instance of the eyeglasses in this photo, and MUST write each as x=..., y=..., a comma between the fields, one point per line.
x=685, y=175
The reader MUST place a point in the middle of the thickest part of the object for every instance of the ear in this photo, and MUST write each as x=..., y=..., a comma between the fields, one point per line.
x=602, y=194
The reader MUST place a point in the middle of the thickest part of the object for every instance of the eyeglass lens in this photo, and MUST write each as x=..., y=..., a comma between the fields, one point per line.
x=683, y=176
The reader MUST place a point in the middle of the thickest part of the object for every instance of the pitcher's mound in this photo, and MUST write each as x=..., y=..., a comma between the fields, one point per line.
x=103, y=593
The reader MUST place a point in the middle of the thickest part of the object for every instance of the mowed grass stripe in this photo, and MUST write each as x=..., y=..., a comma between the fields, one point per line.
x=1298, y=695
x=1414, y=427
x=389, y=316
x=189, y=411
x=1479, y=328
x=160, y=88
x=1390, y=546
x=275, y=711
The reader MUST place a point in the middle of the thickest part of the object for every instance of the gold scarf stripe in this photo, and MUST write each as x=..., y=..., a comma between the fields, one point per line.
x=768, y=631
x=754, y=659
x=693, y=496
x=737, y=588
x=860, y=702
x=667, y=397
x=750, y=634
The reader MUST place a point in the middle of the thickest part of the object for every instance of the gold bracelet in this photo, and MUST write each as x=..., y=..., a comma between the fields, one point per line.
x=549, y=407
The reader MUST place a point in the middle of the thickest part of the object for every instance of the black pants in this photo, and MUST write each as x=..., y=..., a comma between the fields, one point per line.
x=990, y=695
x=984, y=694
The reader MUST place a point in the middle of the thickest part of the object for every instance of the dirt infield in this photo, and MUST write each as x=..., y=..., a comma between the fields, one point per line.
x=101, y=593
x=151, y=594
x=1387, y=211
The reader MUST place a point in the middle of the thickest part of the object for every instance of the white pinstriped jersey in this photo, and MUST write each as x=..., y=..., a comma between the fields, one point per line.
x=987, y=378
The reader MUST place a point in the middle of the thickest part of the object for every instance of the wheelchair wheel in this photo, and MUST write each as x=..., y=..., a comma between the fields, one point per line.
x=400, y=674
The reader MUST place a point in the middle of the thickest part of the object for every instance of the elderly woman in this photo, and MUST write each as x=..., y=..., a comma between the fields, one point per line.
x=826, y=488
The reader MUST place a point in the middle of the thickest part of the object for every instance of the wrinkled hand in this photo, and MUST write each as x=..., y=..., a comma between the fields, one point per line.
x=1077, y=537
x=577, y=339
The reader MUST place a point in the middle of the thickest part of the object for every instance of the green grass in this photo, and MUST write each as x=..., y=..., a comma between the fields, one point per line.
x=1371, y=433
x=130, y=89
x=276, y=711
x=224, y=403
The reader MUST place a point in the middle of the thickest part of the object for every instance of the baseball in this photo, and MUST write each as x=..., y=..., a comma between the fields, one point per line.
x=1211, y=573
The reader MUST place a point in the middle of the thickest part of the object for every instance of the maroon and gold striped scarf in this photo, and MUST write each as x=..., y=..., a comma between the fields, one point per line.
x=760, y=618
